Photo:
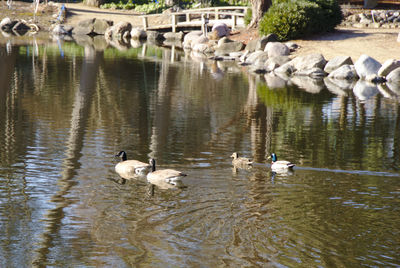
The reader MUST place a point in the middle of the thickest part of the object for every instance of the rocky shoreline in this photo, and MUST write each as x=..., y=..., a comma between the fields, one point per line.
x=264, y=55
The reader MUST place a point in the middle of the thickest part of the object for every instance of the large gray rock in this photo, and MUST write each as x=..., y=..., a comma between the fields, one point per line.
x=274, y=62
x=221, y=29
x=313, y=72
x=344, y=72
x=263, y=41
x=252, y=57
x=228, y=47
x=275, y=49
x=388, y=66
x=138, y=33
x=285, y=69
x=308, y=62
x=190, y=37
x=394, y=76
x=84, y=27
x=203, y=48
x=60, y=29
x=261, y=60
x=364, y=90
x=120, y=29
x=251, y=45
x=154, y=37
x=337, y=62
x=174, y=36
x=366, y=66
x=100, y=26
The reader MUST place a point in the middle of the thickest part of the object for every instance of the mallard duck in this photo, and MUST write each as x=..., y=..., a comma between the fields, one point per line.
x=241, y=162
x=129, y=169
x=164, y=178
x=281, y=165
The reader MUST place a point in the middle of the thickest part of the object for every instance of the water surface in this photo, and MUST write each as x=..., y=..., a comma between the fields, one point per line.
x=67, y=109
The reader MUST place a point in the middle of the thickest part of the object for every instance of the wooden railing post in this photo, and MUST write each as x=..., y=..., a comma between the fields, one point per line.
x=188, y=16
x=145, y=23
x=216, y=14
x=173, y=23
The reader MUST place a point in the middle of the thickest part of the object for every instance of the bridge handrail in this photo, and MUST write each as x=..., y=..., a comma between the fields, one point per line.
x=207, y=10
x=204, y=14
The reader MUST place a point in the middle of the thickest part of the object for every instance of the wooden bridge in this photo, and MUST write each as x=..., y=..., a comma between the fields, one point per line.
x=232, y=16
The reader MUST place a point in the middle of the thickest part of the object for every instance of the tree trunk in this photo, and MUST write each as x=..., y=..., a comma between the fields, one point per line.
x=258, y=7
x=93, y=3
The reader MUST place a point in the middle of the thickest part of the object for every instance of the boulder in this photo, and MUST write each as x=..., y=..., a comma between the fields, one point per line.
x=394, y=76
x=228, y=47
x=251, y=45
x=263, y=41
x=388, y=66
x=138, y=33
x=221, y=29
x=60, y=29
x=174, y=36
x=313, y=72
x=100, y=26
x=275, y=49
x=366, y=66
x=202, y=48
x=120, y=28
x=261, y=60
x=84, y=27
x=190, y=37
x=154, y=37
x=292, y=46
x=364, y=90
x=344, y=72
x=274, y=62
x=337, y=62
x=285, y=69
x=309, y=61
x=252, y=57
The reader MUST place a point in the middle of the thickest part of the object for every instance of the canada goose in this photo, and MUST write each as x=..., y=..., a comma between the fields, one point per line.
x=241, y=162
x=281, y=165
x=129, y=169
x=164, y=178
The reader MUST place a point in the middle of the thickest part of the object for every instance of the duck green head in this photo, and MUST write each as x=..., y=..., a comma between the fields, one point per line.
x=274, y=157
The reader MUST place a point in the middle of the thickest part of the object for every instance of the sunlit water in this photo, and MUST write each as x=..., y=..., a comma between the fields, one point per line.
x=65, y=113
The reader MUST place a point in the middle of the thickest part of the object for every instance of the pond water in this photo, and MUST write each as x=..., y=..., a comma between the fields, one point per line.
x=66, y=110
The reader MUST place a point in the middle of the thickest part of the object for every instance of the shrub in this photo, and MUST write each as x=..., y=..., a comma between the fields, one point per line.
x=293, y=19
x=248, y=16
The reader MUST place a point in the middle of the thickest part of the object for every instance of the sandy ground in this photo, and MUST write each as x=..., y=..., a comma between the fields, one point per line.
x=380, y=44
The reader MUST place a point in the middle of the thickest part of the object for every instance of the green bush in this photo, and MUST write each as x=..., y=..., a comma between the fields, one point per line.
x=248, y=16
x=291, y=19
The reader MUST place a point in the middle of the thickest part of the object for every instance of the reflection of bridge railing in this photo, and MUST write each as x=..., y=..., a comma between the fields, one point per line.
x=232, y=16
